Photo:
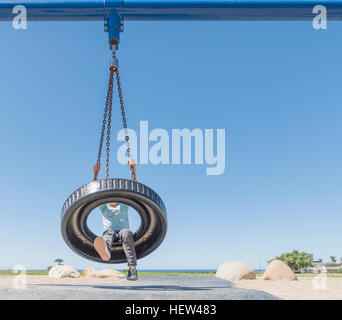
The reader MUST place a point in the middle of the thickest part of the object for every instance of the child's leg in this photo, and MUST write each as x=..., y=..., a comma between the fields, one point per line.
x=126, y=237
x=103, y=245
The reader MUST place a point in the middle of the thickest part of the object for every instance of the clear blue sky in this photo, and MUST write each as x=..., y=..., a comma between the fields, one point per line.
x=274, y=86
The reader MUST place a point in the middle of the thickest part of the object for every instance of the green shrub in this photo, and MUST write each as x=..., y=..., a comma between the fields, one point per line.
x=296, y=260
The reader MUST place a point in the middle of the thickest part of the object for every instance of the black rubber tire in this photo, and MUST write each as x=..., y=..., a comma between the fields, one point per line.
x=143, y=199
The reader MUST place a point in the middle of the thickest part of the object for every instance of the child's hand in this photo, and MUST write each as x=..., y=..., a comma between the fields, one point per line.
x=131, y=162
x=132, y=165
x=97, y=168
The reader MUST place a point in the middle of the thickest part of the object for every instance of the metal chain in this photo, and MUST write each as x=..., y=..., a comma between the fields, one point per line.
x=124, y=121
x=108, y=107
x=107, y=120
x=110, y=89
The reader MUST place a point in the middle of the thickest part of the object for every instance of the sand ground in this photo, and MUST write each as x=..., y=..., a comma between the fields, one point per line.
x=303, y=289
x=173, y=288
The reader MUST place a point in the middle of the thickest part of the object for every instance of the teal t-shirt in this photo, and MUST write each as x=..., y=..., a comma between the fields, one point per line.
x=115, y=218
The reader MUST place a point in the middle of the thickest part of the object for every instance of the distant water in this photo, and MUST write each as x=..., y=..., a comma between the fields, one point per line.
x=187, y=270
x=178, y=270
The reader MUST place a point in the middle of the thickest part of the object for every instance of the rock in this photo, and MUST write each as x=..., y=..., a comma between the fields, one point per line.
x=87, y=272
x=278, y=270
x=106, y=273
x=63, y=272
x=234, y=270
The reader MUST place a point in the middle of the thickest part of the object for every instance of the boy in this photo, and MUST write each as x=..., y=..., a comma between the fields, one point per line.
x=116, y=225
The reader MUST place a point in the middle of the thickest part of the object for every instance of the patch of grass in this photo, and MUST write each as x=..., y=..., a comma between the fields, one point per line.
x=29, y=273
x=45, y=273
x=176, y=274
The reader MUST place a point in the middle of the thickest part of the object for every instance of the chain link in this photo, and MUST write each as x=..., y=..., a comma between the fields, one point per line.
x=107, y=114
x=109, y=125
x=107, y=120
x=124, y=120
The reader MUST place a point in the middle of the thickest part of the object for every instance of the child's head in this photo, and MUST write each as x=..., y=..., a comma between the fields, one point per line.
x=112, y=205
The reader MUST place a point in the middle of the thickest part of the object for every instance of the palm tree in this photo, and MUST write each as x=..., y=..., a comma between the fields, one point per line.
x=59, y=261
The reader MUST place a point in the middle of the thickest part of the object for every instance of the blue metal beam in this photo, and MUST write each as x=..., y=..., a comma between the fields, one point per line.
x=96, y=10
x=114, y=12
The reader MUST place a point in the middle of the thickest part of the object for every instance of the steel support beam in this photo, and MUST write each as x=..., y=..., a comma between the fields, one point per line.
x=130, y=10
x=114, y=12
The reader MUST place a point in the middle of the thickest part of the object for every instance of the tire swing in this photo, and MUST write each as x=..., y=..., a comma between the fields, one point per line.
x=143, y=199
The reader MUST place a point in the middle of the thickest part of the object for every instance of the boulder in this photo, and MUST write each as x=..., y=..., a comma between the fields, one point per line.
x=234, y=270
x=87, y=272
x=278, y=270
x=63, y=272
x=106, y=273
